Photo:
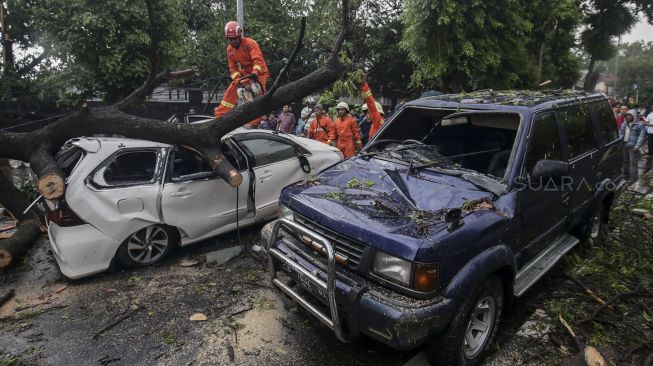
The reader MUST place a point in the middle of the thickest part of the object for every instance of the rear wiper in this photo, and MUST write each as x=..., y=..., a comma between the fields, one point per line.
x=413, y=168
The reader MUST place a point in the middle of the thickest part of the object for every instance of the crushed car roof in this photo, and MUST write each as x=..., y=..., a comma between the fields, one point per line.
x=506, y=99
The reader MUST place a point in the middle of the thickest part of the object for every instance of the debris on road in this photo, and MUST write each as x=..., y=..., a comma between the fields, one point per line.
x=24, y=237
x=189, y=261
x=60, y=289
x=198, y=317
x=117, y=321
x=222, y=256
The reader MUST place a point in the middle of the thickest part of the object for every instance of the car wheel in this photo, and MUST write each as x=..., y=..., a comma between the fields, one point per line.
x=472, y=329
x=147, y=246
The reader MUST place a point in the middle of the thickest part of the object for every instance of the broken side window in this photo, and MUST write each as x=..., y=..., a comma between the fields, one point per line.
x=131, y=168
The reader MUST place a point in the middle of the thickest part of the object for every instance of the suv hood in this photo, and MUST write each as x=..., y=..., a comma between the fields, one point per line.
x=376, y=202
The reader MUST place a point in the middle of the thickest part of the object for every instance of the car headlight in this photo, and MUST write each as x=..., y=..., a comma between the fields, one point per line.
x=392, y=268
x=286, y=213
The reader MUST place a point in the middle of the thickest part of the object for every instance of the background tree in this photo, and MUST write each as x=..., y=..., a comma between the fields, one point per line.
x=605, y=20
x=503, y=44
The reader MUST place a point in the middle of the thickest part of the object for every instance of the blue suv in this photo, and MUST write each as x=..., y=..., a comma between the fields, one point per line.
x=457, y=205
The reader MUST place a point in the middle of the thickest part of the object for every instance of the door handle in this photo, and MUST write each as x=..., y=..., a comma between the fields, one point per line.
x=181, y=194
x=265, y=175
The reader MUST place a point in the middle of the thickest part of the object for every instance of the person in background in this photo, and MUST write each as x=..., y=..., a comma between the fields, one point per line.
x=286, y=120
x=192, y=110
x=616, y=106
x=345, y=135
x=265, y=123
x=364, y=124
x=320, y=126
x=374, y=108
x=623, y=110
x=649, y=130
x=633, y=132
x=302, y=125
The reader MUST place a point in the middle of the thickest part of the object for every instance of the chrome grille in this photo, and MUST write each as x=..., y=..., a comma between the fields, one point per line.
x=349, y=248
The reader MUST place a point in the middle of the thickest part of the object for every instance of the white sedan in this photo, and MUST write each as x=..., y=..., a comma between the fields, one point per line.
x=135, y=200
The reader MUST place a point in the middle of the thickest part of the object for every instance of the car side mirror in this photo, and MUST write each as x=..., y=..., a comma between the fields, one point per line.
x=550, y=169
x=304, y=164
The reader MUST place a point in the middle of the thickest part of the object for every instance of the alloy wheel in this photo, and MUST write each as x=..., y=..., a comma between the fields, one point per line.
x=480, y=327
x=148, y=245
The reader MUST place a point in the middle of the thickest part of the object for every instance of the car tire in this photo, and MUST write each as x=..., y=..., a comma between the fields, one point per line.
x=472, y=329
x=147, y=246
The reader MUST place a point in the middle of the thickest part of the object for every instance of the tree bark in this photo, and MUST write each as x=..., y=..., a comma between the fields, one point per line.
x=591, y=78
x=17, y=245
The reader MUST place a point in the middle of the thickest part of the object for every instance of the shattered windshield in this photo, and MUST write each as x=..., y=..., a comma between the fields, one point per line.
x=448, y=140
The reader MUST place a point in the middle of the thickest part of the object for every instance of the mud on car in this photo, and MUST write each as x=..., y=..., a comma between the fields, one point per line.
x=457, y=205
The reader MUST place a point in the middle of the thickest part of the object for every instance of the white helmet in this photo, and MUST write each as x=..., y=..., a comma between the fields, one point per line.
x=342, y=105
x=364, y=107
x=379, y=107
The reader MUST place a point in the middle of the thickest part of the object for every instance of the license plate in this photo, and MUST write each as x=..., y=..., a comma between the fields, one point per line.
x=305, y=283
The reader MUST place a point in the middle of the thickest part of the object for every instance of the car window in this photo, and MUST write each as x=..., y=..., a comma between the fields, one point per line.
x=606, y=121
x=268, y=151
x=578, y=129
x=187, y=162
x=131, y=168
x=545, y=141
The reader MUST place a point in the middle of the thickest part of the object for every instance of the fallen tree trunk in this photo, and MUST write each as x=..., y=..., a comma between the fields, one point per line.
x=38, y=147
x=17, y=245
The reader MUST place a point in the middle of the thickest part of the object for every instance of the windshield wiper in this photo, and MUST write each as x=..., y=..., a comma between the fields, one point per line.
x=414, y=168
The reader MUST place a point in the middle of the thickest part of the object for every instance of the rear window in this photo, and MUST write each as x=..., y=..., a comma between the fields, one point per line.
x=68, y=157
x=605, y=120
x=578, y=129
x=131, y=168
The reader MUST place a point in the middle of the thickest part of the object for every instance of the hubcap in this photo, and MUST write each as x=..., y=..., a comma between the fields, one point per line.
x=480, y=327
x=147, y=245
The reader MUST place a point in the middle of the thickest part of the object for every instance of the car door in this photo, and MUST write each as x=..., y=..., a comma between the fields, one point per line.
x=120, y=194
x=275, y=163
x=542, y=204
x=196, y=200
x=580, y=140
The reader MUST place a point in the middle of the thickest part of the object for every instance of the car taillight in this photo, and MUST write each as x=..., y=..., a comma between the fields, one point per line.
x=61, y=214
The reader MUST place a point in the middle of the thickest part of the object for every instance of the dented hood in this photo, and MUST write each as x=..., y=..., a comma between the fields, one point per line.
x=378, y=203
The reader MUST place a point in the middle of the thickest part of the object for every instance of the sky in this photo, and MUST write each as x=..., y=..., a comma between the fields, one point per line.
x=641, y=30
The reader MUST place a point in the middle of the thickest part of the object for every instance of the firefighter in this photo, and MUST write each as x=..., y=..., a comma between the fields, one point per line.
x=320, y=126
x=245, y=58
x=345, y=135
x=375, y=109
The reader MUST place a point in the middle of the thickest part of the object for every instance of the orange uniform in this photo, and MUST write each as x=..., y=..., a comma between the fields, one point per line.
x=375, y=115
x=346, y=135
x=320, y=128
x=244, y=60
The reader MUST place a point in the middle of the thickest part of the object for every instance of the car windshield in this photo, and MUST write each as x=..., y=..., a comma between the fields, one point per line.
x=478, y=141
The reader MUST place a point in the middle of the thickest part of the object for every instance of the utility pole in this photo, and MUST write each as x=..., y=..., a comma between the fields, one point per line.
x=239, y=14
x=616, y=66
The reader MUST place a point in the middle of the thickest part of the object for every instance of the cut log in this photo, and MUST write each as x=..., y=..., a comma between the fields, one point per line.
x=25, y=236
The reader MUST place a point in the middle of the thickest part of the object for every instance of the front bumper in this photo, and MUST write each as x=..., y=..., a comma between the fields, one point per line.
x=81, y=250
x=345, y=302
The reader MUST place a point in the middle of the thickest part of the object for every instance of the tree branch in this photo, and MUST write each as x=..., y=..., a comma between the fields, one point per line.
x=37, y=60
x=155, y=62
x=298, y=46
